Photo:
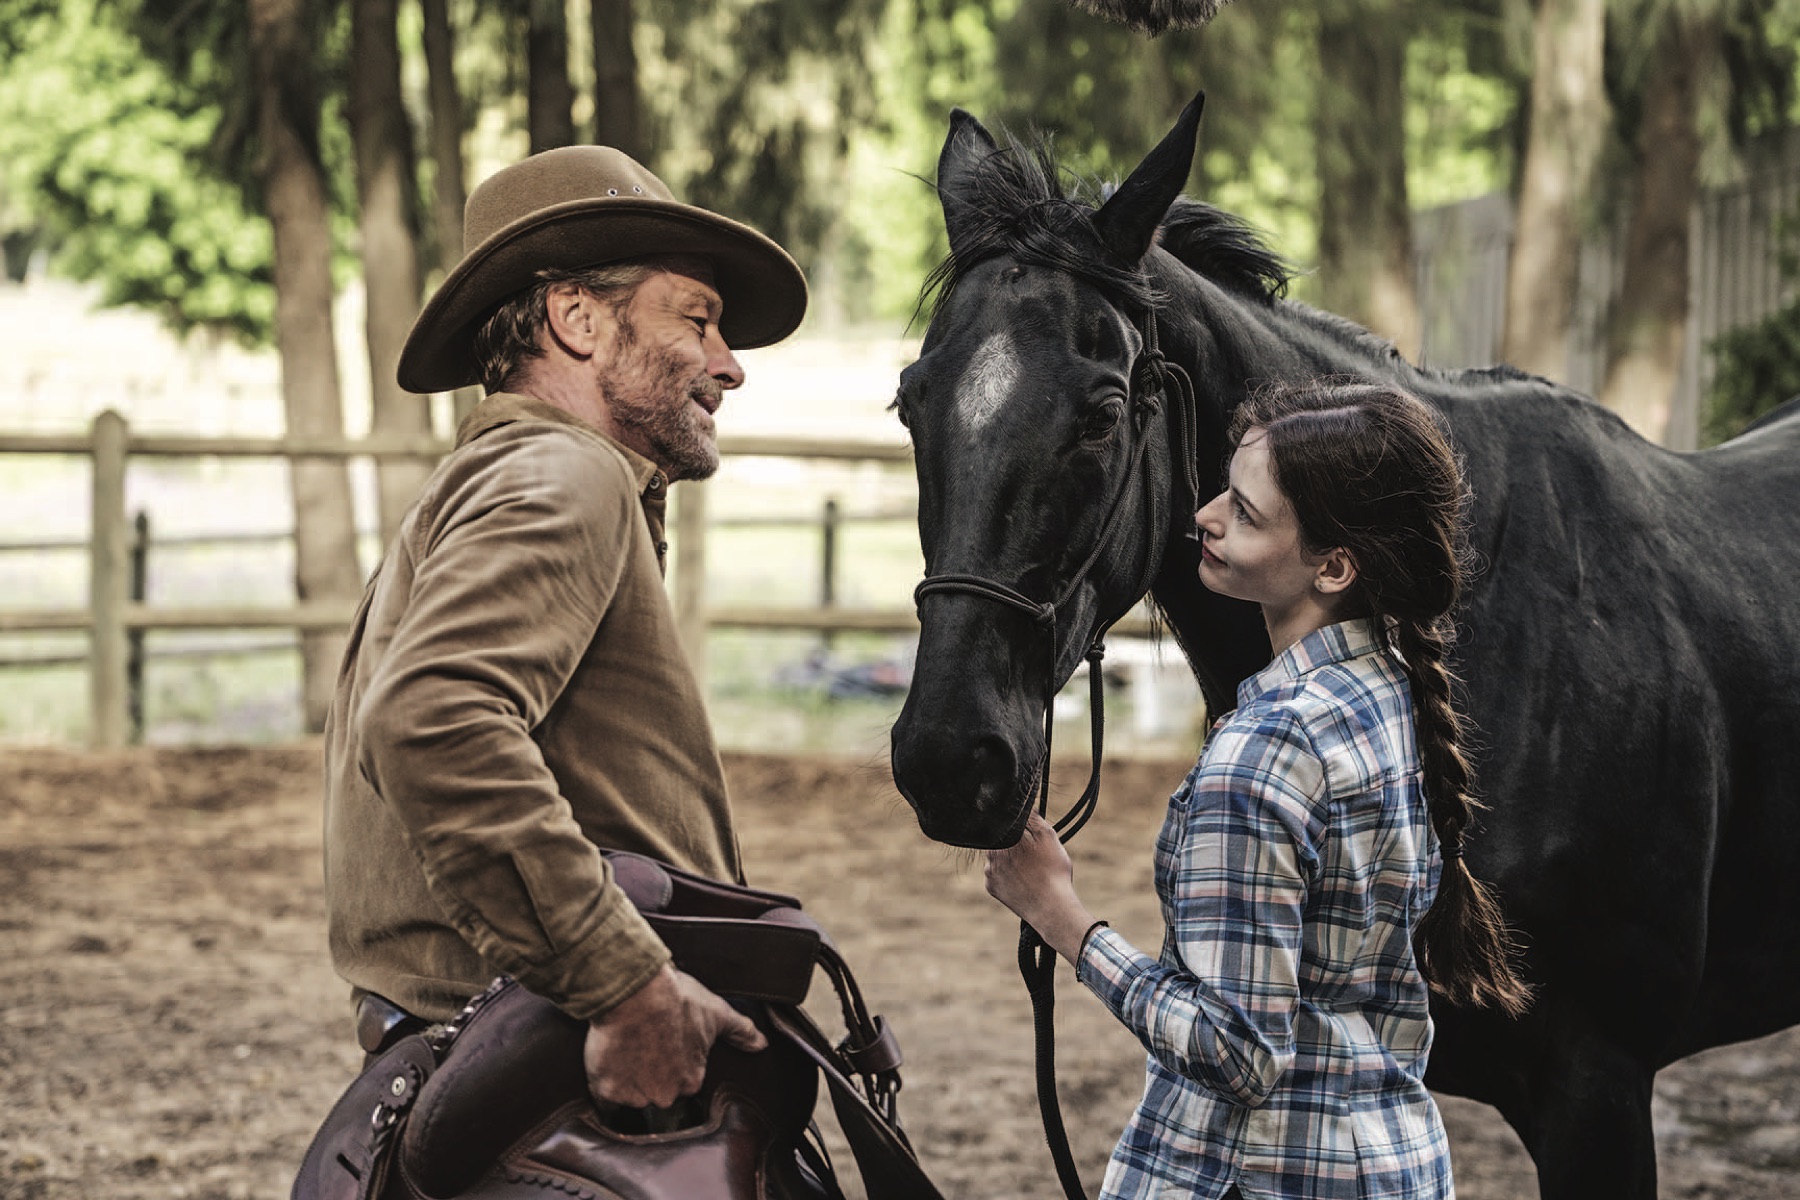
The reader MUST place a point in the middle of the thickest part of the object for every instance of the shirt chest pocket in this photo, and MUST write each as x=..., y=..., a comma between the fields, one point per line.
x=1174, y=827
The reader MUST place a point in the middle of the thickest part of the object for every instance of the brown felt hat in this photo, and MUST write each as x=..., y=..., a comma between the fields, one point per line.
x=584, y=206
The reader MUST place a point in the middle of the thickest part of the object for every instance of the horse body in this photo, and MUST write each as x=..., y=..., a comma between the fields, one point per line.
x=1631, y=644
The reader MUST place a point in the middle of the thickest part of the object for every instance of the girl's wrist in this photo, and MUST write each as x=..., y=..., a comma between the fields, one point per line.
x=1068, y=930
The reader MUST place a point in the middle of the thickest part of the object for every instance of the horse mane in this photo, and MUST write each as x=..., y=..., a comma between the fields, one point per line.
x=1224, y=248
x=1022, y=202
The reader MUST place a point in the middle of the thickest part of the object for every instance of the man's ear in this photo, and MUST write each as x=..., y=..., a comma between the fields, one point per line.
x=1336, y=572
x=574, y=319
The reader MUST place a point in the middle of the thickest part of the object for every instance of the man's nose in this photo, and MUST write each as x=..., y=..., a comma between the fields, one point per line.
x=723, y=365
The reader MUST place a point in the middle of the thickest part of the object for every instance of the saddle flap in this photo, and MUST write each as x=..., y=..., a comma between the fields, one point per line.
x=518, y=1058
x=759, y=960
x=347, y=1159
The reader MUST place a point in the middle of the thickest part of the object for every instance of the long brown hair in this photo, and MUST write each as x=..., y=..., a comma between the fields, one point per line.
x=1368, y=468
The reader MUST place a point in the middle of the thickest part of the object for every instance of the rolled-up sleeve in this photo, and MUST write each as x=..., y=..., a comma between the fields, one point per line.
x=517, y=558
x=1223, y=1013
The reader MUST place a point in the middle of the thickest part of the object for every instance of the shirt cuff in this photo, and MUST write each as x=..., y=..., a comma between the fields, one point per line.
x=620, y=956
x=1109, y=965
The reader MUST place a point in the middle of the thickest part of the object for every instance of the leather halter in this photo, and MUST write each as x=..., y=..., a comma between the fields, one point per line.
x=1153, y=379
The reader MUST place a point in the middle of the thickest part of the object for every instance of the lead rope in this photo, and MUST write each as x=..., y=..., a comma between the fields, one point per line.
x=1037, y=962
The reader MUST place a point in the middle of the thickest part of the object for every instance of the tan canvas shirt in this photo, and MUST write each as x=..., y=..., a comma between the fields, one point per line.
x=514, y=696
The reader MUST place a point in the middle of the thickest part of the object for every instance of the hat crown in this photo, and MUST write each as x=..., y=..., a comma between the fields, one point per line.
x=551, y=178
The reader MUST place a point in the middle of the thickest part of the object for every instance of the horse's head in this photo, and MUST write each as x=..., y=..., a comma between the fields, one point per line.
x=1041, y=435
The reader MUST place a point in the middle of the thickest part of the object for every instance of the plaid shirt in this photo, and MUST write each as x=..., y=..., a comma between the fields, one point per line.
x=1286, y=1020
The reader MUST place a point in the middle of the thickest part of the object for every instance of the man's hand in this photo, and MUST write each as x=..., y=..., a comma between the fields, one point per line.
x=651, y=1050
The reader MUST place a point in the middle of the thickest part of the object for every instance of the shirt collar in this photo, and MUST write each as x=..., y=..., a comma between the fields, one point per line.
x=503, y=408
x=1322, y=647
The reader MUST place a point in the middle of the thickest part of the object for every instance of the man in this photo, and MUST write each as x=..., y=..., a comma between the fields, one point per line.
x=514, y=696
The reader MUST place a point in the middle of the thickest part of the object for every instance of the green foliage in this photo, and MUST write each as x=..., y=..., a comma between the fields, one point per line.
x=929, y=57
x=752, y=104
x=819, y=121
x=106, y=153
x=1458, y=120
x=1756, y=368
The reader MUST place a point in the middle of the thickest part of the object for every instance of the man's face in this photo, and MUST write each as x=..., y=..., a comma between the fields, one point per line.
x=668, y=369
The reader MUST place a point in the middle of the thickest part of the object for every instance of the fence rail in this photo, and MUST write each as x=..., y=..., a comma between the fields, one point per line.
x=116, y=616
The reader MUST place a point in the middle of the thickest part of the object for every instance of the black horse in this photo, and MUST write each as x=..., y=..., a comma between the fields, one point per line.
x=1631, y=646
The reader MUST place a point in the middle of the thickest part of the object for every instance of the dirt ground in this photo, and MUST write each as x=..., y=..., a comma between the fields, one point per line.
x=170, y=1027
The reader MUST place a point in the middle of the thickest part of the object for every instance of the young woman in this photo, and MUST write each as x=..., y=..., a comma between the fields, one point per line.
x=1310, y=866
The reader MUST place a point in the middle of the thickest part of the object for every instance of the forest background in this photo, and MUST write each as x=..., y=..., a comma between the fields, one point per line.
x=235, y=166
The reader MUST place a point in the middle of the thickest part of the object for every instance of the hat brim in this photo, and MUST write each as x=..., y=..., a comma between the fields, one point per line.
x=763, y=290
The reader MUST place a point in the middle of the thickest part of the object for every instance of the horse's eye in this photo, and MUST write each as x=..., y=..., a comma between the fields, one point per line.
x=898, y=408
x=1102, y=420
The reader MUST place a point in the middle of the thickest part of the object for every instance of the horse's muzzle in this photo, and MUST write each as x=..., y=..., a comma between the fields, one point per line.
x=966, y=790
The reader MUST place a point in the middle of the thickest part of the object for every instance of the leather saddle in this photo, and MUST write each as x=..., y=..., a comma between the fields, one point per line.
x=495, y=1105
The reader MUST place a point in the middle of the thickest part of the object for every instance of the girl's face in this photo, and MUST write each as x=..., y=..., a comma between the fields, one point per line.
x=1250, y=547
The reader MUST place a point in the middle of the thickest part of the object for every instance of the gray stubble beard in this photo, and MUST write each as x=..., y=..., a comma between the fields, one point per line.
x=641, y=389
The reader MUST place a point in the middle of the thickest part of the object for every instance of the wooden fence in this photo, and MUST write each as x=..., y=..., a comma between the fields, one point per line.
x=113, y=618
x=117, y=616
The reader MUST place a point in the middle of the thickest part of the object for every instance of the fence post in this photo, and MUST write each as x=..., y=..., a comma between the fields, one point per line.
x=108, y=575
x=690, y=574
x=134, y=638
x=828, y=556
x=828, y=547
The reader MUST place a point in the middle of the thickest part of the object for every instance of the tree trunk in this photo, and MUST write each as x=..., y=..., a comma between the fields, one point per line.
x=618, y=111
x=549, y=97
x=1568, y=119
x=1365, y=223
x=448, y=191
x=294, y=191
x=1647, y=328
x=390, y=256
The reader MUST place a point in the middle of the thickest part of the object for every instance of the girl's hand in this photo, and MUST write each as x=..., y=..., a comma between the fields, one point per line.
x=1036, y=880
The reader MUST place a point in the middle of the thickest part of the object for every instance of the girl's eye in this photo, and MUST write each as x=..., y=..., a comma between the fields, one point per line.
x=1242, y=513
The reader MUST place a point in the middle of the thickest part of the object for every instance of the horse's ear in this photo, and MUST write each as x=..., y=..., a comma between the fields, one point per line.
x=966, y=146
x=1127, y=222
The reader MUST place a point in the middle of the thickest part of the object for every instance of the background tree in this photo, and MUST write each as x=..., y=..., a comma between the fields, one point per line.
x=387, y=196
x=756, y=104
x=1674, y=88
x=1566, y=124
x=282, y=40
x=1365, y=222
x=448, y=174
x=145, y=170
x=618, y=107
x=98, y=146
x=1647, y=329
x=449, y=187
x=550, y=98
